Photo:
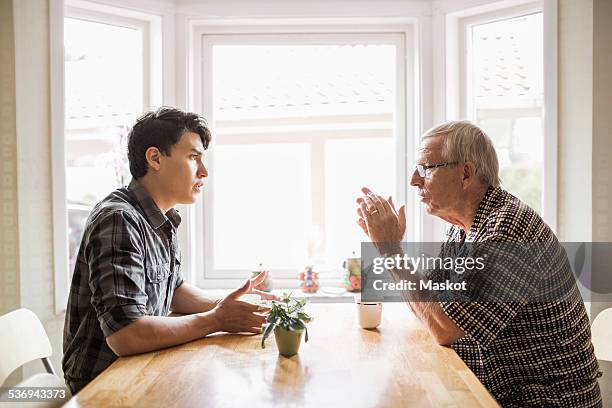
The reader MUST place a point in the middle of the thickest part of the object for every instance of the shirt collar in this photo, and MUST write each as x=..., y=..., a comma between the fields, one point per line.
x=486, y=206
x=151, y=210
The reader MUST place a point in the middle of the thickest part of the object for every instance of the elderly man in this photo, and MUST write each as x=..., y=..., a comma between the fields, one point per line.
x=525, y=353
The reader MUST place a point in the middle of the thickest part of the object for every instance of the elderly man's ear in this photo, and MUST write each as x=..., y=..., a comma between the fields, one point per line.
x=469, y=174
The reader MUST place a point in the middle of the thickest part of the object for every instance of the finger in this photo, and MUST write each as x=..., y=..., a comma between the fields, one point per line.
x=390, y=200
x=251, y=331
x=377, y=201
x=259, y=278
x=365, y=190
x=242, y=290
x=370, y=204
x=364, y=211
x=265, y=295
x=367, y=193
x=255, y=321
x=360, y=213
x=387, y=207
x=247, y=307
x=254, y=330
x=263, y=309
x=402, y=216
x=361, y=222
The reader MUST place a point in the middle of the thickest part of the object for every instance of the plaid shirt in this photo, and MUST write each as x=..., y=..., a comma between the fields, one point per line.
x=128, y=266
x=526, y=354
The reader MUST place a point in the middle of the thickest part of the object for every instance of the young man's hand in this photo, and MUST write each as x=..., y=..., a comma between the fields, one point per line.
x=235, y=316
x=254, y=282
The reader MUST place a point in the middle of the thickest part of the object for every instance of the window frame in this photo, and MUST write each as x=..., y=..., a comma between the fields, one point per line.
x=310, y=31
x=125, y=22
x=150, y=26
x=458, y=82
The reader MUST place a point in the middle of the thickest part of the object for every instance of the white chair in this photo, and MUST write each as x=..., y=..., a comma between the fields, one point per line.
x=601, y=331
x=23, y=340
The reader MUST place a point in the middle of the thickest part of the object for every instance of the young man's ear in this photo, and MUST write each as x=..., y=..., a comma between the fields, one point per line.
x=153, y=158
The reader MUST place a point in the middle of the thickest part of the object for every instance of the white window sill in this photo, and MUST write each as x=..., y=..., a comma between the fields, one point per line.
x=323, y=295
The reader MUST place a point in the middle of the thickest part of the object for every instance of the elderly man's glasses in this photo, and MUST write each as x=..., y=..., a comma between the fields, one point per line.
x=422, y=168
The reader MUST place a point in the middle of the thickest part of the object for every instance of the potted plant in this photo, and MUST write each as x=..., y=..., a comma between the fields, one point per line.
x=287, y=320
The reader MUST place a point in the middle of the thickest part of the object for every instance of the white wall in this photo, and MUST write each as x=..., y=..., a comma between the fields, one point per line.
x=303, y=8
x=9, y=239
x=602, y=130
x=585, y=126
x=602, y=121
x=575, y=119
x=26, y=224
x=31, y=25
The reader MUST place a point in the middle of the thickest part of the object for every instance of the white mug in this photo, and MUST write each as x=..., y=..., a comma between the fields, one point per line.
x=369, y=314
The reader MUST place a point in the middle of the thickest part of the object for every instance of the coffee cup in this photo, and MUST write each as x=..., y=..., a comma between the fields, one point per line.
x=369, y=314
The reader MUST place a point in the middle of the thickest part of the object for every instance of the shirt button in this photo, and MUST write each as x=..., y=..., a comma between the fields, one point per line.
x=158, y=275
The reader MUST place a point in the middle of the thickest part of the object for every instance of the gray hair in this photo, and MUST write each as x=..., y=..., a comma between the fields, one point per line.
x=466, y=142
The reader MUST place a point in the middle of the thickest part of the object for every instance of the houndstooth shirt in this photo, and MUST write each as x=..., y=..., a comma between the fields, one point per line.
x=530, y=353
x=128, y=266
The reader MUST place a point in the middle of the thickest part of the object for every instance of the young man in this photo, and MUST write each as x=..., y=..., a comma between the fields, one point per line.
x=127, y=276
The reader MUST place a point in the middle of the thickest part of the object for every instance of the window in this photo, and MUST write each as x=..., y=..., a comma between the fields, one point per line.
x=300, y=124
x=107, y=83
x=104, y=95
x=505, y=96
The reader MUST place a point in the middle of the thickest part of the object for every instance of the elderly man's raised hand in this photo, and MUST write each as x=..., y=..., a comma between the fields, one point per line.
x=236, y=316
x=379, y=219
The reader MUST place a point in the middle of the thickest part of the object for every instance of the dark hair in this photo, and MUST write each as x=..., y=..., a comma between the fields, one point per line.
x=162, y=128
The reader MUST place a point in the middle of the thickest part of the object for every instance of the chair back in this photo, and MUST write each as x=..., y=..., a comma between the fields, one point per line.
x=22, y=339
x=601, y=332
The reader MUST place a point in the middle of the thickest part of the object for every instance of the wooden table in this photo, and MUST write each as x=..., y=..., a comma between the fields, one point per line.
x=397, y=365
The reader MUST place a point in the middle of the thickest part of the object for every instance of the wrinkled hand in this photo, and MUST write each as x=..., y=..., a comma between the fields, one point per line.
x=379, y=219
x=236, y=316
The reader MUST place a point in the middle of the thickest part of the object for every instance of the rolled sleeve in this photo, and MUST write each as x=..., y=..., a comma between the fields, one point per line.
x=178, y=270
x=495, y=294
x=119, y=317
x=179, y=280
x=117, y=272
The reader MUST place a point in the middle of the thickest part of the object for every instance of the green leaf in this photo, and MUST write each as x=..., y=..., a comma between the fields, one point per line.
x=297, y=325
x=304, y=317
x=306, y=337
x=268, y=330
